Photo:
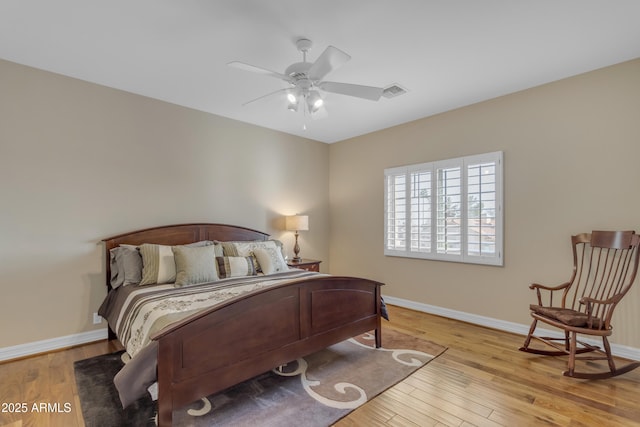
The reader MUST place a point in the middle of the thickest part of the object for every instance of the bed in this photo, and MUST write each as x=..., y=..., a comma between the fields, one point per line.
x=289, y=315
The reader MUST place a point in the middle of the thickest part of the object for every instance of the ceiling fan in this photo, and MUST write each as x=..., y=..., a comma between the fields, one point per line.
x=306, y=80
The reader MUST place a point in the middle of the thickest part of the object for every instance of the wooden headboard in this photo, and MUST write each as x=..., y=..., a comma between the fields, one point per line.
x=180, y=234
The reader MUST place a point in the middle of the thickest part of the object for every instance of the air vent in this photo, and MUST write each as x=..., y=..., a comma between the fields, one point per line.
x=393, y=91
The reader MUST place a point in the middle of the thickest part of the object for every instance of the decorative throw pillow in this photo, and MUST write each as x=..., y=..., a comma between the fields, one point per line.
x=194, y=265
x=218, y=248
x=158, y=264
x=126, y=266
x=245, y=249
x=270, y=260
x=235, y=266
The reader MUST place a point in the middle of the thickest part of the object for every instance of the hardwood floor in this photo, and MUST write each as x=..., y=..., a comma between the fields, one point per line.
x=481, y=380
x=45, y=379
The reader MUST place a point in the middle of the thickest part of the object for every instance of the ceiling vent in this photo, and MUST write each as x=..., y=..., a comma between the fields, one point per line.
x=393, y=91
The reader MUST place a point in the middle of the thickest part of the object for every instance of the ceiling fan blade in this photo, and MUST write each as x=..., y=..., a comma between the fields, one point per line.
x=328, y=61
x=259, y=70
x=283, y=91
x=359, y=91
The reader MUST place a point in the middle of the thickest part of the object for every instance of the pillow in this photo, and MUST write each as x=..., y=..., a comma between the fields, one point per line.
x=117, y=275
x=270, y=260
x=235, y=266
x=218, y=248
x=158, y=264
x=279, y=245
x=194, y=265
x=245, y=249
x=126, y=266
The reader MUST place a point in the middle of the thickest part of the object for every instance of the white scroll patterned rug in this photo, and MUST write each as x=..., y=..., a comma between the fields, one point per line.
x=317, y=390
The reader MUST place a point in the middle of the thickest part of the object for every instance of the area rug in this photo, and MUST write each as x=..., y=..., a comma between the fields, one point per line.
x=316, y=390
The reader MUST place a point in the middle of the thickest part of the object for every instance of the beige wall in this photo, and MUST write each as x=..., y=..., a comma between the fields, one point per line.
x=572, y=153
x=80, y=162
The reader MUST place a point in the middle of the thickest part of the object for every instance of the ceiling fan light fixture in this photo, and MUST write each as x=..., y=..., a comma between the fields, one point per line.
x=314, y=101
x=292, y=99
x=307, y=81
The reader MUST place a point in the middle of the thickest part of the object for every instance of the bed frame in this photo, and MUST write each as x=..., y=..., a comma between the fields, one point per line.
x=220, y=347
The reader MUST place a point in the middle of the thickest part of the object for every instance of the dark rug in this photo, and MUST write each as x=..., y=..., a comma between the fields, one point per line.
x=317, y=390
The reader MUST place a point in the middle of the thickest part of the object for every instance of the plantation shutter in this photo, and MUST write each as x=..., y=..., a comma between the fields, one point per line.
x=448, y=210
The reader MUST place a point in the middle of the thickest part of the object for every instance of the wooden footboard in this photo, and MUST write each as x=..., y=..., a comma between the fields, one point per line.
x=216, y=349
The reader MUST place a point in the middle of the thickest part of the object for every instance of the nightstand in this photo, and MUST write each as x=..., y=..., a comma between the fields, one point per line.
x=305, y=264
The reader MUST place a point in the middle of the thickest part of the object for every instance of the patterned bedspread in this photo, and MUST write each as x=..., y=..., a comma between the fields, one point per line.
x=136, y=312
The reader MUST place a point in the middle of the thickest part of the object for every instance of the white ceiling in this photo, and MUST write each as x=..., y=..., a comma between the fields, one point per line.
x=446, y=53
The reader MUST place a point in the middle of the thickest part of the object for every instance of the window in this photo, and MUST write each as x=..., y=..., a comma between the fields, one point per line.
x=449, y=210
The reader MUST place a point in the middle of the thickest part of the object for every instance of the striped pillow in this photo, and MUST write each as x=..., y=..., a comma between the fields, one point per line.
x=158, y=264
x=246, y=248
x=235, y=266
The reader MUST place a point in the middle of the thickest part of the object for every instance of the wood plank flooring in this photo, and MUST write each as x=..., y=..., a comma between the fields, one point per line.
x=481, y=380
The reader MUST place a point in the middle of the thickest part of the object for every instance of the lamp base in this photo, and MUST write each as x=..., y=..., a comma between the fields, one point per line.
x=296, y=250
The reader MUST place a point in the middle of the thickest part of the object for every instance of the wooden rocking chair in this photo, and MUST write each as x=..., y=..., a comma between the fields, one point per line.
x=605, y=264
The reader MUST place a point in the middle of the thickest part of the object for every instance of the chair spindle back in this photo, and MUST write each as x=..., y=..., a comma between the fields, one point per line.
x=605, y=264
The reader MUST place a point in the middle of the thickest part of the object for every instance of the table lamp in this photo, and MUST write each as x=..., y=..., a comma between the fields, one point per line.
x=297, y=223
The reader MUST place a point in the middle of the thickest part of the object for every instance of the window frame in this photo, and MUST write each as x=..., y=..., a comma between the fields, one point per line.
x=403, y=247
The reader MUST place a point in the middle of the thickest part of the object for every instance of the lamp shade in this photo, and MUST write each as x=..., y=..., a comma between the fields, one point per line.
x=297, y=223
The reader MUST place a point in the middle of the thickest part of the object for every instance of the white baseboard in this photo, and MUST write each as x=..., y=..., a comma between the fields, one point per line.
x=52, y=344
x=44, y=346
x=516, y=328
